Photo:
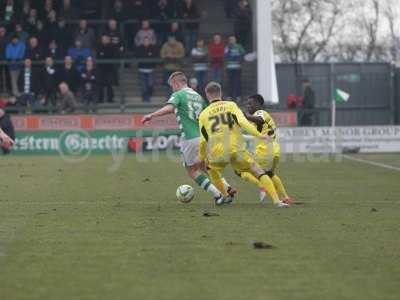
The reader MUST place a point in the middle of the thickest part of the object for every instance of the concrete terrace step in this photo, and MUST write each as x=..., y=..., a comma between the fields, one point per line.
x=214, y=21
x=131, y=87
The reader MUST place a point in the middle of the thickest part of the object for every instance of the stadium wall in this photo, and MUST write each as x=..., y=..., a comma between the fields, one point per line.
x=81, y=135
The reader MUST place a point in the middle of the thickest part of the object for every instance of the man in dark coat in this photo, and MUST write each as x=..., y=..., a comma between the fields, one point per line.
x=68, y=74
x=242, y=23
x=107, y=71
x=49, y=81
x=5, y=79
x=89, y=85
x=33, y=51
x=146, y=69
x=307, y=114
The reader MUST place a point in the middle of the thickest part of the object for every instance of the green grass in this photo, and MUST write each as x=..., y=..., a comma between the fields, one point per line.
x=390, y=159
x=79, y=231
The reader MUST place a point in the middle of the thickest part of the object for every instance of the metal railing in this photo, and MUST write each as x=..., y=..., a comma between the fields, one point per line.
x=374, y=97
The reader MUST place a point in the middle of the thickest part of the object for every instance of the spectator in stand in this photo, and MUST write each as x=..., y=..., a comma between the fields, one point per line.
x=146, y=69
x=292, y=101
x=53, y=51
x=48, y=7
x=5, y=80
x=31, y=22
x=114, y=34
x=67, y=101
x=79, y=54
x=89, y=84
x=33, y=52
x=29, y=85
x=172, y=52
x=230, y=7
x=118, y=11
x=68, y=12
x=117, y=43
x=51, y=28
x=107, y=71
x=138, y=9
x=21, y=33
x=41, y=34
x=234, y=54
x=7, y=101
x=163, y=11
x=26, y=8
x=194, y=85
x=175, y=30
x=90, y=9
x=69, y=74
x=307, y=114
x=216, y=50
x=9, y=11
x=189, y=12
x=86, y=35
x=15, y=52
x=242, y=23
x=49, y=81
x=64, y=37
x=146, y=31
x=200, y=63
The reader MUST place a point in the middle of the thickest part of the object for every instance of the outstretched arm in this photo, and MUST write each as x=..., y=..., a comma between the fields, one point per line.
x=203, y=141
x=245, y=124
x=5, y=140
x=255, y=119
x=166, y=110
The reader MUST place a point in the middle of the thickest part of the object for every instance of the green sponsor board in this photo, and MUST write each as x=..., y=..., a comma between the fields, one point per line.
x=79, y=142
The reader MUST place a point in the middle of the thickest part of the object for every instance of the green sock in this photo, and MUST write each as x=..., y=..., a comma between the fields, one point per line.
x=205, y=183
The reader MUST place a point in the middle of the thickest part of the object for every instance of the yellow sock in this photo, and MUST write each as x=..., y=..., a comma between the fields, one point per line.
x=269, y=187
x=220, y=185
x=217, y=180
x=251, y=178
x=279, y=186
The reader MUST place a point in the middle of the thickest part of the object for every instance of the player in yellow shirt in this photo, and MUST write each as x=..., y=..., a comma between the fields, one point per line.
x=266, y=154
x=222, y=143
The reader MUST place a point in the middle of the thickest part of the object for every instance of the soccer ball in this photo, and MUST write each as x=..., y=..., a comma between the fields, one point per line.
x=185, y=193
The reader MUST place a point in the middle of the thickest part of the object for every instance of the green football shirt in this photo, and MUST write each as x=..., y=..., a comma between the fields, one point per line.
x=188, y=106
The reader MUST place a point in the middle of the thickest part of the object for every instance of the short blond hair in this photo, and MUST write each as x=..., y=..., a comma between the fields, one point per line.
x=214, y=89
x=180, y=76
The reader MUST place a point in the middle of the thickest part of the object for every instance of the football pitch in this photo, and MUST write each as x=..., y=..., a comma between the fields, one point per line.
x=105, y=230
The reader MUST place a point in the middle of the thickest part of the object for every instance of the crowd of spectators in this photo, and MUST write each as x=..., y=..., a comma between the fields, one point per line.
x=57, y=57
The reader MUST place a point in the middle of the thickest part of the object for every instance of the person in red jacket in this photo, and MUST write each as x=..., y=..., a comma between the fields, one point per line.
x=216, y=51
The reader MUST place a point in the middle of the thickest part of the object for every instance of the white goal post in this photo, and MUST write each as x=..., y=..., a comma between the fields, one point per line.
x=267, y=83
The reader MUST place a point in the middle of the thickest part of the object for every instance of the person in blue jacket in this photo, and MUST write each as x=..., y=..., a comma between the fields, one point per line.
x=79, y=54
x=234, y=54
x=15, y=52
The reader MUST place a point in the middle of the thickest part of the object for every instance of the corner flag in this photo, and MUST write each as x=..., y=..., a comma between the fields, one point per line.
x=338, y=97
x=341, y=96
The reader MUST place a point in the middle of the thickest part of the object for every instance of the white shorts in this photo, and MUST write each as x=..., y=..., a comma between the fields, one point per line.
x=190, y=151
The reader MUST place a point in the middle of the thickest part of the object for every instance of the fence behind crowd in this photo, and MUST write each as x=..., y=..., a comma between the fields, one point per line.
x=373, y=89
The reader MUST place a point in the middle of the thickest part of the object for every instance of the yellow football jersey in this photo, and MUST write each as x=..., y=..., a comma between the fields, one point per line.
x=270, y=149
x=220, y=131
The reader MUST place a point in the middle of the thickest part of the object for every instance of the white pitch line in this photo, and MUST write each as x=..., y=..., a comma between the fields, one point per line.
x=372, y=163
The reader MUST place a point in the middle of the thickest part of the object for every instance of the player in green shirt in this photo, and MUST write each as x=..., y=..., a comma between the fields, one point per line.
x=187, y=105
